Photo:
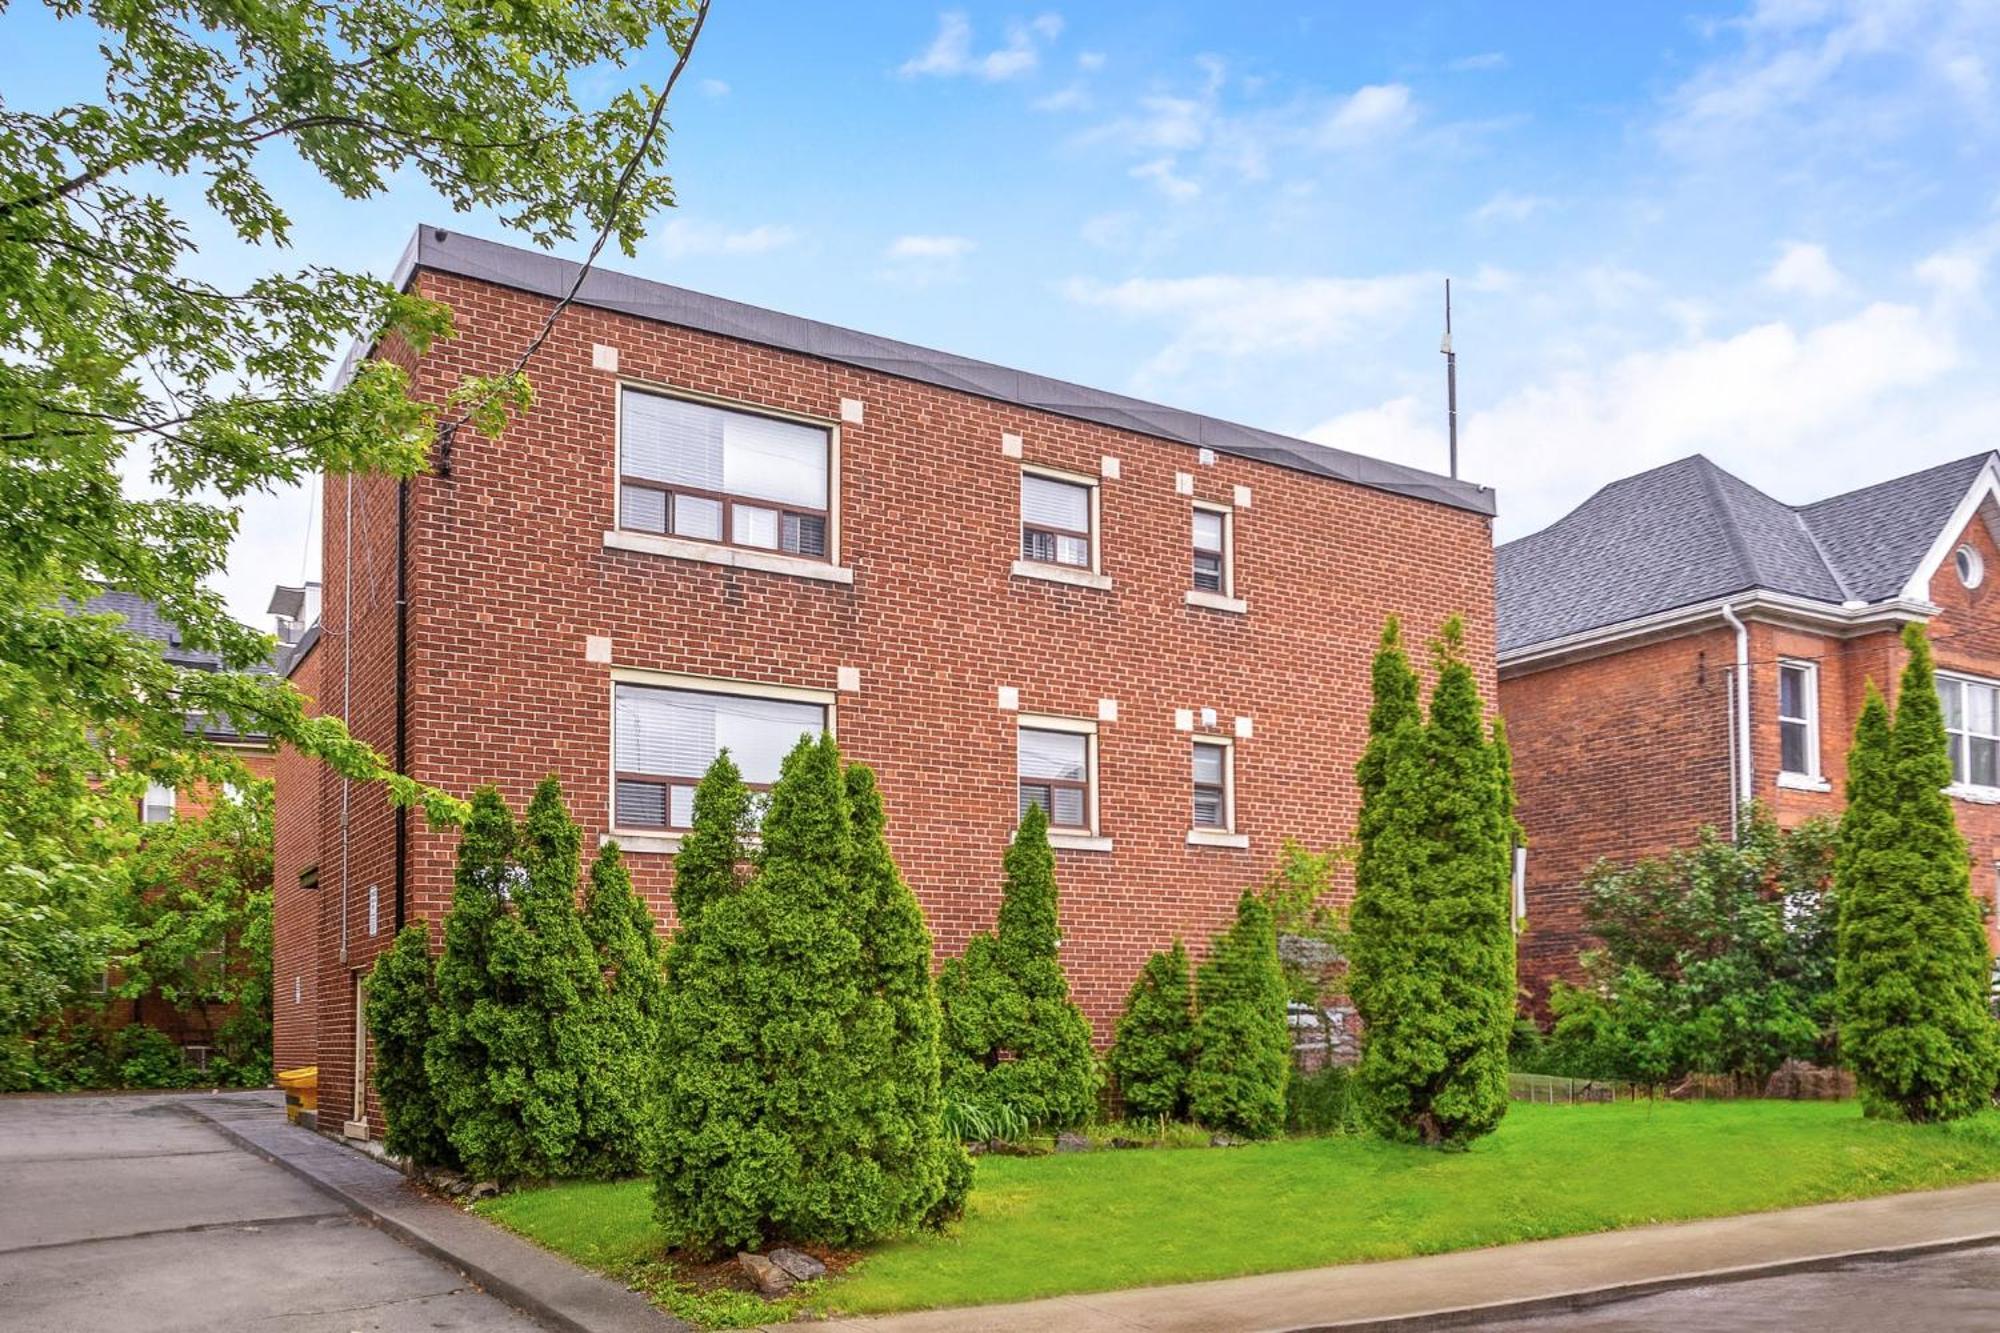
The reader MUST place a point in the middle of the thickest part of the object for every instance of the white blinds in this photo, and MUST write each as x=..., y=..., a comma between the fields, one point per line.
x=1207, y=530
x=678, y=733
x=1053, y=754
x=1208, y=765
x=712, y=449
x=1047, y=503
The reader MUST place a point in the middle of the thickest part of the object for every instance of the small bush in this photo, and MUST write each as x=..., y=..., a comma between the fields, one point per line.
x=1154, y=1046
x=1243, y=1043
x=1322, y=1103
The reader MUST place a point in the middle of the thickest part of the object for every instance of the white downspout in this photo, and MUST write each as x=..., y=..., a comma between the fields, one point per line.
x=1741, y=774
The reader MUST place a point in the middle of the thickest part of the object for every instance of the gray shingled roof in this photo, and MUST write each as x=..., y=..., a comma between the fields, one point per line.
x=544, y=275
x=1690, y=532
x=144, y=620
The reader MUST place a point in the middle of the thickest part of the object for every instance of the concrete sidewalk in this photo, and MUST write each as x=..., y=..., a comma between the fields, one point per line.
x=1479, y=1286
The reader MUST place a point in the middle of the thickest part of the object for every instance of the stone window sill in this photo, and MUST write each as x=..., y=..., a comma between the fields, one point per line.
x=1215, y=601
x=1960, y=791
x=1079, y=842
x=634, y=841
x=1803, y=782
x=1215, y=837
x=736, y=557
x=1075, y=578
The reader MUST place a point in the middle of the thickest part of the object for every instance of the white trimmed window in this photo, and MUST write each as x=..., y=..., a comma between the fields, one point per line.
x=1972, y=727
x=664, y=739
x=714, y=474
x=1214, y=794
x=158, y=806
x=1798, y=719
x=1212, y=539
x=1057, y=770
x=1058, y=521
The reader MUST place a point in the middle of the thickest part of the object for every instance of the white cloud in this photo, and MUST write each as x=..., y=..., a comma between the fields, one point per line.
x=1089, y=60
x=950, y=53
x=1231, y=316
x=1367, y=116
x=1072, y=98
x=1160, y=171
x=1402, y=430
x=713, y=88
x=1479, y=61
x=1108, y=231
x=1804, y=269
x=930, y=247
x=683, y=236
x=1508, y=206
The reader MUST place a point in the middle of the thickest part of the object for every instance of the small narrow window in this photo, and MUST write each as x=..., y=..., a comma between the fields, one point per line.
x=1211, y=551
x=1972, y=729
x=1798, y=719
x=1055, y=522
x=158, y=807
x=1212, y=797
x=1054, y=768
x=665, y=739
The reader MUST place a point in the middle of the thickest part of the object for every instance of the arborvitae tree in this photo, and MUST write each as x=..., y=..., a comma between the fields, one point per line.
x=1432, y=967
x=456, y=1058
x=1242, y=1032
x=927, y=1171
x=781, y=1119
x=1008, y=996
x=401, y=1000
x=1913, y=958
x=1154, y=1045
x=709, y=864
x=622, y=1024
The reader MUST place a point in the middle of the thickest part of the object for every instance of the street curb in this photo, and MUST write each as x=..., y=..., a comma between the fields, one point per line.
x=524, y=1275
x=1588, y=1298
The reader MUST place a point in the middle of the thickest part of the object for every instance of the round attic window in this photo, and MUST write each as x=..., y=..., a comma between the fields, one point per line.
x=1971, y=569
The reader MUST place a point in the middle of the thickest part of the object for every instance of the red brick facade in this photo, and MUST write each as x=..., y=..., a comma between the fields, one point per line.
x=510, y=573
x=1626, y=754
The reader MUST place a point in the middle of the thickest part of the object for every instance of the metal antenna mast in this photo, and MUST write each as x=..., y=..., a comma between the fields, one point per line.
x=1450, y=380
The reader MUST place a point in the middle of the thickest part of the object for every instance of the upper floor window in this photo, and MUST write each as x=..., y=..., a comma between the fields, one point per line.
x=712, y=474
x=158, y=806
x=1972, y=728
x=664, y=740
x=1798, y=718
x=1054, y=768
x=1212, y=796
x=1056, y=527
x=1211, y=551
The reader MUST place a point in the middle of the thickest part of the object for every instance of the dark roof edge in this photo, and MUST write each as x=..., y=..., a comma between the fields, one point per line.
x=546, y=275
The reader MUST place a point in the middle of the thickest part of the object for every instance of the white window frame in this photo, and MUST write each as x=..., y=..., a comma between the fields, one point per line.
x=1227, y=835
x=1074, y=575
x=617, y=537
x=148, y=803
x=1226, y=599
x=1087, y=839
x=1983, y=795
x=1812, y=777
x=669, y=840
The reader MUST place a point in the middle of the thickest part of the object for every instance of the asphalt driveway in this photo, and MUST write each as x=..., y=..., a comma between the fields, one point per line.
x=120, y=1212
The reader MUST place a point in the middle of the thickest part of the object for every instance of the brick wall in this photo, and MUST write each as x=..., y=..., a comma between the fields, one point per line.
x=509, y=573
x=294, y=908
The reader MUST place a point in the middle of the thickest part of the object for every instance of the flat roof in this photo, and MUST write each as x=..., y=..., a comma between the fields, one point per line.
x=545, y=275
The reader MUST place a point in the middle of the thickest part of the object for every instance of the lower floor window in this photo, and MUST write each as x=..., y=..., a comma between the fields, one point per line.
x=665, y=739
x=1211, y=785
x=1054, y=769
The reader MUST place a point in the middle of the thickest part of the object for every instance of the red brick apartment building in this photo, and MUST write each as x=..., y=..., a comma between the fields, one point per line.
x=1682, y=642
x=723, y=526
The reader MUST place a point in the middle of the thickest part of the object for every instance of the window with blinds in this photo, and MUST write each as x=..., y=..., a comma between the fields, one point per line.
x=1054, y=768
x=1211, y=551
x=711, y=474
x=1211, y=786
x=158, y=805
x=1055, y=521
x=663, y=741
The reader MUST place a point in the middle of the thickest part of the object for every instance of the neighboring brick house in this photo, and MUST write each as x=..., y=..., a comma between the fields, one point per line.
x=162, y=803
x=719, y=525
x=1639, y=632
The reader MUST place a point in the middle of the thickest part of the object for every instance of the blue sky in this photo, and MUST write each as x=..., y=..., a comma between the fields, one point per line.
x=1761, y=231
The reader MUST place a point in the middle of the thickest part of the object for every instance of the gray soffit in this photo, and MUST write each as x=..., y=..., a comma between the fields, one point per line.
x=545, y=275
x=1689, y=532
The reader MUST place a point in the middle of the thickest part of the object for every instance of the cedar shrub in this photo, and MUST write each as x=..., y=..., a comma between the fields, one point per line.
x=1242, y=1036
x=709, y=864
x=1008, y=997
x=1154, y=1044
x=1913, y=964
x=622, y=1024
x=401, y=1000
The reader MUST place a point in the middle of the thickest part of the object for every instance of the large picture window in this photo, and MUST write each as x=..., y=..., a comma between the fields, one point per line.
x=711, y=474
x=664, y=740
x=1972, y=728
x=1054, y=769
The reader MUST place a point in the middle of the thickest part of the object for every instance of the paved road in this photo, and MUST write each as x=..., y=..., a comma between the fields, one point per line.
x=121, y=1213
x=1943, y=1293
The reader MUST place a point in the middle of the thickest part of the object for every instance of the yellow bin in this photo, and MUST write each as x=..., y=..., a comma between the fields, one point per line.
x=301, y=1090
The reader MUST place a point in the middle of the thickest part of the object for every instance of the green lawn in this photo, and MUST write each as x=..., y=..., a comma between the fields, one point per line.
x=1081, y=1222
